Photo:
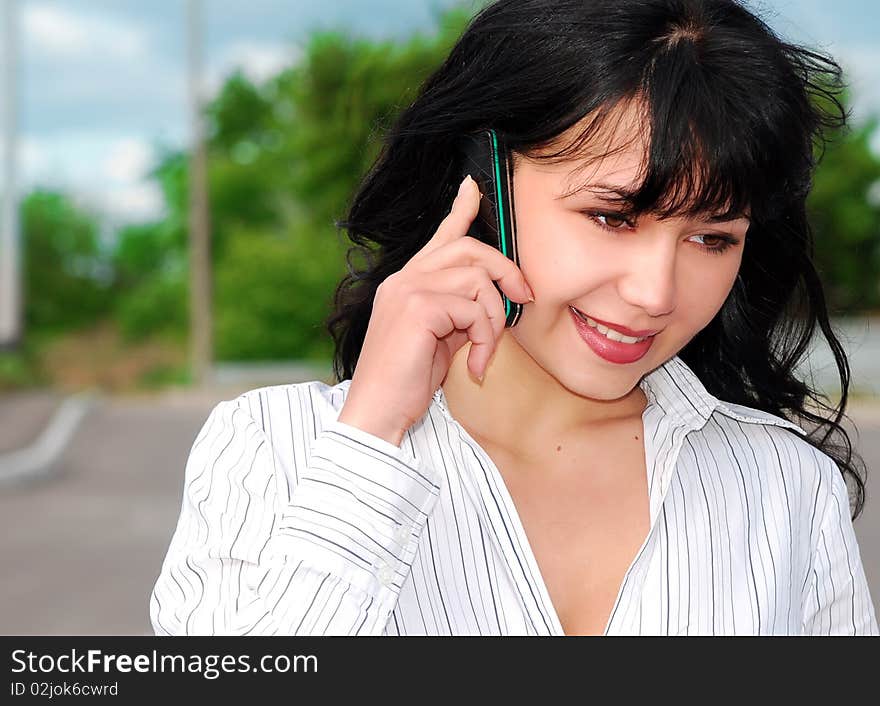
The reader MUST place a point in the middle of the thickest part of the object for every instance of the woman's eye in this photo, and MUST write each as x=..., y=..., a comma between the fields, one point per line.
x=611, y=221
x=717, y=243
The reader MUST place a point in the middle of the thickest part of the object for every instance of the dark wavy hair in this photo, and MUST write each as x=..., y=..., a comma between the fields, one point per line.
x=735, y=118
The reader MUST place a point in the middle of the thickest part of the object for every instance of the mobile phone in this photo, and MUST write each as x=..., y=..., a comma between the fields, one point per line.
x=485, y=157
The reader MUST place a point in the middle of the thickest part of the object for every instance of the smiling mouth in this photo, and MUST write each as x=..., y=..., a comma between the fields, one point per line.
x=609, y=333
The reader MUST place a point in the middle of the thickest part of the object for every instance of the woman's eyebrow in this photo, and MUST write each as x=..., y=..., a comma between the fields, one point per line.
x=727, y=218
x=624, y=195
x=602, y=191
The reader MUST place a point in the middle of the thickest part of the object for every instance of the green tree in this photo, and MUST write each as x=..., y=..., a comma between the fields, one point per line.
x=67, y=274
x=846, y=220
x=150, y=264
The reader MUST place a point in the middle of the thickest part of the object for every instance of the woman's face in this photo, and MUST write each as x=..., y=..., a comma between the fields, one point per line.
x=669, y=276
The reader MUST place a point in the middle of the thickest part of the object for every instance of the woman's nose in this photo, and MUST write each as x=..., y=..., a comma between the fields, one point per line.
x=649, y=281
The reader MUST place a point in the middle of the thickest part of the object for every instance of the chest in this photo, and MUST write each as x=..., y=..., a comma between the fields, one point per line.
x=585, y=511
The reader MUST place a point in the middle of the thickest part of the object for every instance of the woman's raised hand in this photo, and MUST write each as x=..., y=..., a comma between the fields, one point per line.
x=442, y=298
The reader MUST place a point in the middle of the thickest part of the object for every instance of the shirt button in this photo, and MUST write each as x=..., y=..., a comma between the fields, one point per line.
x=386, y=574
x=401, y=534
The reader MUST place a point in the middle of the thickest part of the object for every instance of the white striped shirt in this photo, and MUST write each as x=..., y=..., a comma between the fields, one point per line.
x=293, y=523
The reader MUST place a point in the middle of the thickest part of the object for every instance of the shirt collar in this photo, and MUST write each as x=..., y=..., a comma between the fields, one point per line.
x=681, y=396
x=678, y=400
x=682, y=399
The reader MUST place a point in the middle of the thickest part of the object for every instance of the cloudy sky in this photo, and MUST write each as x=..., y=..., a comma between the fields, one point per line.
x=102, y=82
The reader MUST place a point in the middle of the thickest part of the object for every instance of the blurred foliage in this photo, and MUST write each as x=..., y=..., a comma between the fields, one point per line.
x=844, y=209
x=19, y=369
x=157, y=306
x=271, y=295
x=284, y=159
x=66, y=275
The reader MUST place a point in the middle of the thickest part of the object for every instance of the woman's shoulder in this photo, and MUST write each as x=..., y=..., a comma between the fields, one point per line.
x=769, y=449
x=283, y=418
x=270, y=429
x=286, y=407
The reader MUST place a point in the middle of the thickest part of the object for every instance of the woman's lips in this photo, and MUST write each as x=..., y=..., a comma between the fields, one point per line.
x=622, y=329
x=612, y=351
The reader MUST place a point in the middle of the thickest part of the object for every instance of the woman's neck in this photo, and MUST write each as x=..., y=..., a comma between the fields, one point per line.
x=520, y=406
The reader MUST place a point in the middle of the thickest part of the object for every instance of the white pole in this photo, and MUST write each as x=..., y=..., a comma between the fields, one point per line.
x=10, y=254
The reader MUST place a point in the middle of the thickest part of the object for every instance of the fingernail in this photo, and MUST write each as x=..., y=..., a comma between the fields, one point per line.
x=461, y=186
x=529, y=292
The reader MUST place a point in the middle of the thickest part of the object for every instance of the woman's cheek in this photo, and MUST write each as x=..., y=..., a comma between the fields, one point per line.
x=714, y=282
x=585, y=256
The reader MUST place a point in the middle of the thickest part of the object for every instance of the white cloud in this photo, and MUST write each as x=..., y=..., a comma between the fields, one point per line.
x=126, y=195
x=105, y=173
x=30, y=156
x=256, y=60
x=128, y=160
x=130, y=202
x=56, y=32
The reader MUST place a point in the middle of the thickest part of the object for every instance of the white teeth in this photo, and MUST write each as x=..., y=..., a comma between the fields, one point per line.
x=614, y=336
x=607, y=332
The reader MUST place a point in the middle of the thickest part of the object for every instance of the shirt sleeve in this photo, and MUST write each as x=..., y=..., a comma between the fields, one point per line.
x=252, y=556
x=837, y=600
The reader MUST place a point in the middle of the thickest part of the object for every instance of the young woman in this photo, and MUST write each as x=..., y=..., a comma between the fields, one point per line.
x=624, y=459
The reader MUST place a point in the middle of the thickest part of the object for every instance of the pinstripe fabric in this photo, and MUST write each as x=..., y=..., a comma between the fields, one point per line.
x=292, y=522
